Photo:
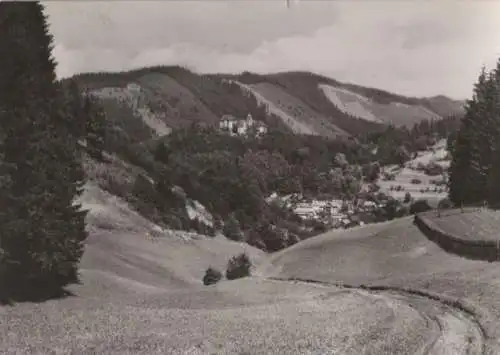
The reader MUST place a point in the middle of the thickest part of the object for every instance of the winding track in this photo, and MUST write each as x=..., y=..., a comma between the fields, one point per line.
x=455, y=330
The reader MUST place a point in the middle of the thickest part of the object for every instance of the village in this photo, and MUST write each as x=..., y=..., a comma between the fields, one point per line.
x=333, y=214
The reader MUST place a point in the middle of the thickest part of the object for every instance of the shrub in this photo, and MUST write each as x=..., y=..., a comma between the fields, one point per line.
x=420, y=206
x=212, y=276
x=238, y=267
x=232, y=229
x=420, y=167
x=174, y=222
x=445, y=203
x=416, y=181
x=433, y=169
x=407, y=197
x=389, y=177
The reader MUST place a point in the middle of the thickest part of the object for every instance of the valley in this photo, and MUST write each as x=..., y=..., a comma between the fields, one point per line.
x=216, y=180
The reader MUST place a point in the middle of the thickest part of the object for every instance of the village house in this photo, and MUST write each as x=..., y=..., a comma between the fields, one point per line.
x=240, y=127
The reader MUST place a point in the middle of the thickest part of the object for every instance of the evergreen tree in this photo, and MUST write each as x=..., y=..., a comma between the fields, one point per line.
x=41, y=230
x=493, y=186
x=75, y=109
x=232, y=229
x=471, y=150
x=95, y=125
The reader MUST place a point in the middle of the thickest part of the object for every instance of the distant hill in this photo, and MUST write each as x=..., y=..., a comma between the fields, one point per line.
x=168, y=97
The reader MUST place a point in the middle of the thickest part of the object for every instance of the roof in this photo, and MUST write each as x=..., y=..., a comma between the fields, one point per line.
x=228, y=118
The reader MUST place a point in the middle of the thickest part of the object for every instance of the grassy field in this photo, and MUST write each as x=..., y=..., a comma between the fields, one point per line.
x=472, y=224
x=396, y=254
x=145, y=296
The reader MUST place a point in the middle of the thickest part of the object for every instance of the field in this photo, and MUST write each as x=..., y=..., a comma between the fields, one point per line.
x=396, y=256
x=426, y=188
x=143, y=295
x=472, y=224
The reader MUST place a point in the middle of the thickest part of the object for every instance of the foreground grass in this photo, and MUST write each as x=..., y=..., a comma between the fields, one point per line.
x=248, y=316
x=396, y=254
x=144, y=297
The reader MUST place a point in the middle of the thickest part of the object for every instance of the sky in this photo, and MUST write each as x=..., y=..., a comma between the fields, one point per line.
x=415, y=48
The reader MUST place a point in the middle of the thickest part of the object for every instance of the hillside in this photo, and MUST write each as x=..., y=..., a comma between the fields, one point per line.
x=144, y=297
x=413, y=179
x=165, y=98
x=398, y=258
x=355, y=108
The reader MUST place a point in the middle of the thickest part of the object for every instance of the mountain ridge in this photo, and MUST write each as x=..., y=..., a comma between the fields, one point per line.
x=301, y=102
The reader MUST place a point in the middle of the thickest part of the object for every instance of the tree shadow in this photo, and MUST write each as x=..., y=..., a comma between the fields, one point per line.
x=11, y=297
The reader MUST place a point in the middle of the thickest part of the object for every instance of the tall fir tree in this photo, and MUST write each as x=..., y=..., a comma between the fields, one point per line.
x=493, y=185
x=42, y=230
x=467, y=171
x=95, y=125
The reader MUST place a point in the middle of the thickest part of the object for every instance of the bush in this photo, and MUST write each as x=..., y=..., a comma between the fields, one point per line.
x=232, y=229
x=416, y=181
x=212, y=276
x=445, y=203
x=420, y=206
x=389, y=176
x=238, y=267
x=174, y=222
x=433, y=169
x=407, y=197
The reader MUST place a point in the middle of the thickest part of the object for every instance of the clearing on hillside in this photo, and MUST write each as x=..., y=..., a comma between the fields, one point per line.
x=297, y=109
x=415, y=181
x=357, y=105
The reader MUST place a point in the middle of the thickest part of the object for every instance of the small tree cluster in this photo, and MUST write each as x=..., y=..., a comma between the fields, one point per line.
x=420, y=206
x=238, y=266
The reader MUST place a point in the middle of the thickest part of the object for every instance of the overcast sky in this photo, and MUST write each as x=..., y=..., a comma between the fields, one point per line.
x=417, y=48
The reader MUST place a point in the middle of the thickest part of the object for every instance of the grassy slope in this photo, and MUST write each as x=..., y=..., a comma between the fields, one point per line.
x=395, y=254
x=386, y=106
x=140, y=297
x=395, y=113
x=299, y=110
x=486, y=223
x=144, y=297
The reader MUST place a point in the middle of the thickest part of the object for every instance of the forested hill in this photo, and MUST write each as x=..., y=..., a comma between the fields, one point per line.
x=155, y=100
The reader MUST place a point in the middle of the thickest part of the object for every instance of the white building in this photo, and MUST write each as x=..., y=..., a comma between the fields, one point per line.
x=236, y=126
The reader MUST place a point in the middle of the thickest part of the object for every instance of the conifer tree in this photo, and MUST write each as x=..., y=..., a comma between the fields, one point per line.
x=95, y=125
x=468, y=170
x=41, y=230
x=493, y=186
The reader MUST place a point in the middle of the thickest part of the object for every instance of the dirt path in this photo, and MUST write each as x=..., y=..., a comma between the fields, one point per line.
x=455, y=330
